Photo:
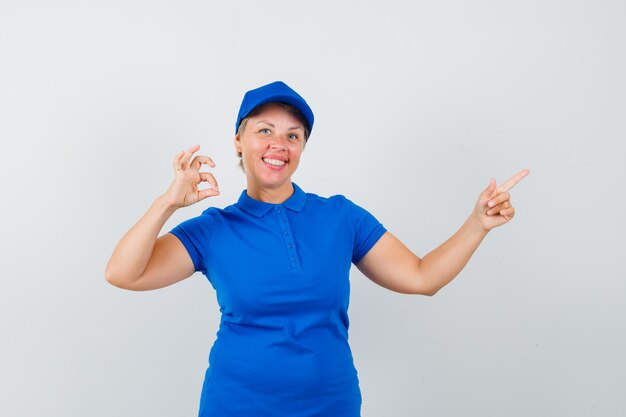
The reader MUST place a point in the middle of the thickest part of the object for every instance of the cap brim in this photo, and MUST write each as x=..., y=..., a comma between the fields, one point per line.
x=282, y=98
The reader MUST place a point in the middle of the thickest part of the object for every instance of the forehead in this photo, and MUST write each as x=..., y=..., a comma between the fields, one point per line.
x=275, y=112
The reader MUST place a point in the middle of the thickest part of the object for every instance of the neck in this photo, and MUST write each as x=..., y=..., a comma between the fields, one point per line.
x=276, y=195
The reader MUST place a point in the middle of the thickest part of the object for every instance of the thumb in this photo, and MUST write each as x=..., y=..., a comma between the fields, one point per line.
x=490, y=191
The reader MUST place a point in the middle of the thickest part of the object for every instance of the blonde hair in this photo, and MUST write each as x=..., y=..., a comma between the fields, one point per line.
x=291, y=109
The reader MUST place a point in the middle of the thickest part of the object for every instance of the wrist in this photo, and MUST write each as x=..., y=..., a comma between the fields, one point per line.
x=477, y=226
x=163, y=204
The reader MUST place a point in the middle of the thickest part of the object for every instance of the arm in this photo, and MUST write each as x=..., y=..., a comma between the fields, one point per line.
x=140, y=261
x=392, y=265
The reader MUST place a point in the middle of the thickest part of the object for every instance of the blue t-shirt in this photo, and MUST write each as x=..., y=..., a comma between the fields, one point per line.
x=281, y=275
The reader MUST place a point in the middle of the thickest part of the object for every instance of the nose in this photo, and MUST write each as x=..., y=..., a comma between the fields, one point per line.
x=278, y=143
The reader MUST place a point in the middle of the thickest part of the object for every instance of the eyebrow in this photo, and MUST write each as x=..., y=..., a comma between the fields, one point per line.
x=269, y=124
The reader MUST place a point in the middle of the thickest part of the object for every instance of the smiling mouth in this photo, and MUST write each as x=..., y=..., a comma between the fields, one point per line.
x=274, y=162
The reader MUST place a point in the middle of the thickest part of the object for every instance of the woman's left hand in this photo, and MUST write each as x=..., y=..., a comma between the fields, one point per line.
x=493, y=207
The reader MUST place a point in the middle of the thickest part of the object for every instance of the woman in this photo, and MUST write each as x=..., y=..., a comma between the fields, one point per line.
x=279, y=260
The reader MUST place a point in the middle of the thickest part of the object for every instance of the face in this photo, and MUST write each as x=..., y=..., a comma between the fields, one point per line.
x=271, y=145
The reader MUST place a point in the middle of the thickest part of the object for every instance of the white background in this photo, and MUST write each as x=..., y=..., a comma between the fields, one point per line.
x=417, y=104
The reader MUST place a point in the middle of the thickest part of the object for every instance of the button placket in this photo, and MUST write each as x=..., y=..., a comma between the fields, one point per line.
x=288, y=238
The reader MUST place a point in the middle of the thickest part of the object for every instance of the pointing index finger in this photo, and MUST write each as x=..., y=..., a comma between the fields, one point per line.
x=513, y=180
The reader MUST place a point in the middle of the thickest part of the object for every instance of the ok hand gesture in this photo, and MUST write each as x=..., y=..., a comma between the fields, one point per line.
x=184, y=189
x=493, y=207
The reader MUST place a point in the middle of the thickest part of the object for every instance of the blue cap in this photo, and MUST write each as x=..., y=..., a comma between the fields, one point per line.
x=277, y=91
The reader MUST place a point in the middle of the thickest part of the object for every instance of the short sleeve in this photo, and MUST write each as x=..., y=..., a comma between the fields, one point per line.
x=195, y=235
x=367, y=230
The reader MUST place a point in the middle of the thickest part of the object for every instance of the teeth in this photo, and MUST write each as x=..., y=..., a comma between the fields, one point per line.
x=274, y=162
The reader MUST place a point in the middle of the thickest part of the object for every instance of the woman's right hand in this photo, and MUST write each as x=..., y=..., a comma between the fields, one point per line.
x=184, y=190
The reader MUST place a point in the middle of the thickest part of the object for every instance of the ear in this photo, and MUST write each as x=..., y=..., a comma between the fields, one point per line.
x=237, y=143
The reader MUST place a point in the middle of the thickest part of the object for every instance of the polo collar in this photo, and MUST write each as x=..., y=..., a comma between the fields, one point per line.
x=260, y=208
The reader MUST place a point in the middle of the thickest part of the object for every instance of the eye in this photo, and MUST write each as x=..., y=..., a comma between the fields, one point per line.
x=264, y=131
x=293, y=136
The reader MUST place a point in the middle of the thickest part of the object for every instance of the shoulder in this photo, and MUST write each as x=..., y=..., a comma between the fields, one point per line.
x=338, y=203
x=337, y=206
x=215, y=213
x=207, y=216
x=333, y=201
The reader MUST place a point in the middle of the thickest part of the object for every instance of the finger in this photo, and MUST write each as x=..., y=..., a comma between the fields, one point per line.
x=508, y=213
x=187, y=156
x=505, y=196
x=513, y=180
x=201, y=159
x=176, y=160
x=499, y=208
x=209, y=192
x=490, y=191
x=209, y=178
